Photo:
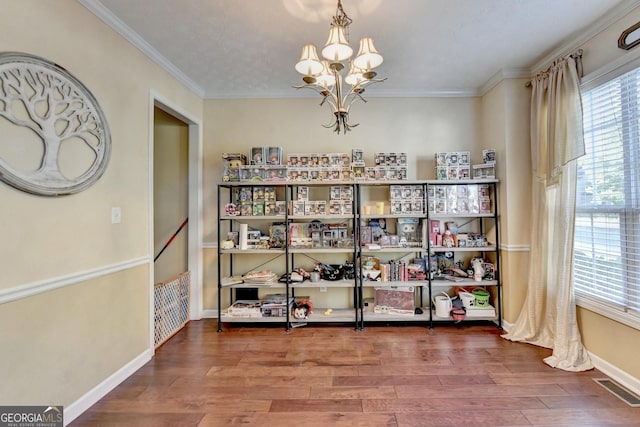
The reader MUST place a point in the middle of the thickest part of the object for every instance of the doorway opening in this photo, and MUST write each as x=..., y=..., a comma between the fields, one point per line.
x=175, y=153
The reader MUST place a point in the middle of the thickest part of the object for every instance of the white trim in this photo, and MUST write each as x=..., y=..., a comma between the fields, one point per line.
x=606, y=310
x=194, y=249
x=30, y=289
x=106, y=16
x=627, y=380
x=514, y=248
x=209, y=314
x=611, y=70
x=613, y=372
x=506, y=325
x=91, y=397
x=505, y=73
x=602, y=23
x=378, y=94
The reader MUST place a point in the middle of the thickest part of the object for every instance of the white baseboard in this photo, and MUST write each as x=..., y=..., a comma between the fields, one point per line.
x=209, y=314
x=616, y=374
x=74, y=410
x=623, y=378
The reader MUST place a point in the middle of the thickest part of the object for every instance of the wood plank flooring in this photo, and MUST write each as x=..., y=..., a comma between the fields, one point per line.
x=318, y=375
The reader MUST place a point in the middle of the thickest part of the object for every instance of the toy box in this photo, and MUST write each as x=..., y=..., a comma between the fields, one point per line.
x=395, y=300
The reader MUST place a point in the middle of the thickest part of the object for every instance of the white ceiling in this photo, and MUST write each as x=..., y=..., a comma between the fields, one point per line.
x=247, y=48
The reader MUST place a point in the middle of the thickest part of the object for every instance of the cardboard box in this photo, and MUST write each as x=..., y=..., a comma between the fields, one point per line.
x=245, y=308
x=395, y=300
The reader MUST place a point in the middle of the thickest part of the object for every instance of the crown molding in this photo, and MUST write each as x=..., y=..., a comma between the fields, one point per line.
x=378, y=94
x=572, y=43
x=505, y=73
x=583, y=36
x=104, y=14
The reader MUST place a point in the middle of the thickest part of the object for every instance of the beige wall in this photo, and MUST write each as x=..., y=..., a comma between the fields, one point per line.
x=171, y=194
x=418, y=126
x=59, y=344
x=505, y=126
x=68, y=340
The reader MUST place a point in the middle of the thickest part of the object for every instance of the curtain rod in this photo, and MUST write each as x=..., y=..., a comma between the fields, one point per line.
x=578, y=58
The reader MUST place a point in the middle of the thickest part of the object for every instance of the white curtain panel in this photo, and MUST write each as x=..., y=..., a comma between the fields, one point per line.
x=548, y=317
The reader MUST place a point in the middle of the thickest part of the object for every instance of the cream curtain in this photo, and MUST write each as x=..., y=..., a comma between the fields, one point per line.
x=548, y=318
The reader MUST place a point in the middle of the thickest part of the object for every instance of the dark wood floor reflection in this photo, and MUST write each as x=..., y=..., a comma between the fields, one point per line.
x=335, y=376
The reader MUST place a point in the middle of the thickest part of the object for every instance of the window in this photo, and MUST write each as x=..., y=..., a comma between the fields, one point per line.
x=607, y=230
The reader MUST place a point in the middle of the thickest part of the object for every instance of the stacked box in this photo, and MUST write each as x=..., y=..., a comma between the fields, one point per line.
x=270, y=208
x=484, y=171
x=484, y=198
x=460, y=199
x=258, y=201
x=341, y=200
x=275, y=305
x=357, y=157
x=406, y=199
x=390, y=159
x=280, y=207
x=315, y=207
x=440, y=199
x=245, y=308
x=474, y=201
x=453, y=165
x=302, y=193
x=274, y=173
x=297, y=207
x=244, y=200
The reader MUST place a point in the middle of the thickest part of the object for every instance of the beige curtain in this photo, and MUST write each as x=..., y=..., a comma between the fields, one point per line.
x=548, y=318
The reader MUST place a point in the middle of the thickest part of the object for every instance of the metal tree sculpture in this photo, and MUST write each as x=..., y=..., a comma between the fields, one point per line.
x=41, y=96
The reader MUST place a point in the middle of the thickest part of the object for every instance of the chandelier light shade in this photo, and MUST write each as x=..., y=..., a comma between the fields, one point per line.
x=325, y=77
x=309, y=63
x=337, y=48
x=368, y=57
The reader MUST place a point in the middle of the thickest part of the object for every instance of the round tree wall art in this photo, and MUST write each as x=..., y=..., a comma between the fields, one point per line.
x=54, y=137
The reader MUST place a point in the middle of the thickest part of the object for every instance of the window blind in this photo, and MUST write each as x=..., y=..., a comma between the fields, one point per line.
x=607, y=229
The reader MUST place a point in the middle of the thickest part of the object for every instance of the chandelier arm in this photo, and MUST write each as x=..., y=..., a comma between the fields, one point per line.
x=322, y=91
x=330, y=101
x=351, y=98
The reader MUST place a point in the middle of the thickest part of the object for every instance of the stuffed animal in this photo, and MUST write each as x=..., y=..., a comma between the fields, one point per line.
x=302, y=309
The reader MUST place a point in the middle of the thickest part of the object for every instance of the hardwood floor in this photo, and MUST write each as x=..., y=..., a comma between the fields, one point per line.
x=335, y=376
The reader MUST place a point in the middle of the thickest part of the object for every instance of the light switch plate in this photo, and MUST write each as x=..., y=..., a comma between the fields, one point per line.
x=116, y=215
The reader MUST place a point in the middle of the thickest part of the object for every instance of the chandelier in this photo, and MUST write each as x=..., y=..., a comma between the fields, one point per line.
x=325, y=77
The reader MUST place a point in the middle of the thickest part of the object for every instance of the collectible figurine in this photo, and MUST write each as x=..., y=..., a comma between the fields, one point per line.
x=303, y=309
